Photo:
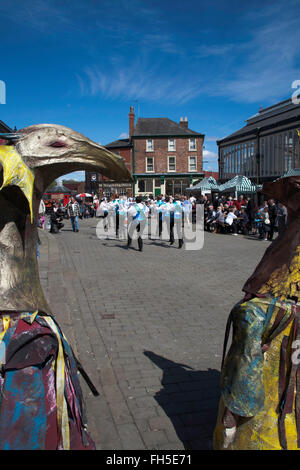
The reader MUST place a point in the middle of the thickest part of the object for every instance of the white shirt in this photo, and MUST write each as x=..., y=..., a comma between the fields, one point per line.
x=104, y=206
x=132, y=211
x=230, y=218
x=42, y=208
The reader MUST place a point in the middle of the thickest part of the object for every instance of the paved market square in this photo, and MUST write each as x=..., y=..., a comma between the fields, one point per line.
x=148, y=328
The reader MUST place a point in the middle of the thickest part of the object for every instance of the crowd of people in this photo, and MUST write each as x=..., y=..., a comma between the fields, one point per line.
x=134, y=213
x=226, y=214
x=222, y=214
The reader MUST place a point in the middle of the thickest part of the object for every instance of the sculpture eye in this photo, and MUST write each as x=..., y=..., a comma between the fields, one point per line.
x=58, y=143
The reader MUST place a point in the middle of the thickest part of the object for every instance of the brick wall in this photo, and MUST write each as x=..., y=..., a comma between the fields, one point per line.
x=126, y=154
x=161, y=153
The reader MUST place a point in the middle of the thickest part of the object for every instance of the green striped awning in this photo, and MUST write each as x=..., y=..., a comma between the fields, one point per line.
x=205, y=184
x=239, y=184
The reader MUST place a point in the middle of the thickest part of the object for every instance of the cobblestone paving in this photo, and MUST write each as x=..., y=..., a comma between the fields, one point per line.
x=148, y=328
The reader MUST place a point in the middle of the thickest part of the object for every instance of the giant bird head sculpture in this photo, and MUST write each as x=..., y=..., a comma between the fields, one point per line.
x=39, y=155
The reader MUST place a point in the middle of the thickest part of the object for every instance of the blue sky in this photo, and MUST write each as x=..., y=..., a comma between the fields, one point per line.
x=84, y=63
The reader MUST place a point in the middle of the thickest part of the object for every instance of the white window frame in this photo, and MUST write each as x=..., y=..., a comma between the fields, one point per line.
x=152, y=145
x=169, y=147
x=190, y=146
x=149, y=171
x=195, y=157
x=171, y=156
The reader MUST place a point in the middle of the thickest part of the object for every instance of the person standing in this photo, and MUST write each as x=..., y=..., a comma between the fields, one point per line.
x=138, y=214
x=273, y=217
x=281, y=217
x=176, y=220
x=73, y=212
x=42, y=212
x=250, y=211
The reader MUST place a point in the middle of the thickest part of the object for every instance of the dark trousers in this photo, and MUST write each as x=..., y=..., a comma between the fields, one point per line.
x=139, y=227
x=104, y=216
x=160, y=224
x=176, y=223
x=272, y=226
x=117, y=223
x=234, y=227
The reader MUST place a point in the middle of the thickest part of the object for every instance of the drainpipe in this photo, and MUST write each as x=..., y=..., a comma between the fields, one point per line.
x=133, y=167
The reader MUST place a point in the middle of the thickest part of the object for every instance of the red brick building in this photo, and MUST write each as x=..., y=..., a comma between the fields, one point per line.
x=167, y=156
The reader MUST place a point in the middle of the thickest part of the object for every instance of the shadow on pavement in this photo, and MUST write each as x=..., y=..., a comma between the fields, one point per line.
x=190, y=399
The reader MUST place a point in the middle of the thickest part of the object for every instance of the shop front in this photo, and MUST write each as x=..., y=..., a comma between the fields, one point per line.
x=146, y=185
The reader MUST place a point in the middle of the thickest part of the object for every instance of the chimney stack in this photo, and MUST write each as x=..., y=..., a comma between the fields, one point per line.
x=131, y=122
x=184, y=122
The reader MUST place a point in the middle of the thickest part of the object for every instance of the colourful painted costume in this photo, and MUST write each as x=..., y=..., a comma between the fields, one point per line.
x=40, y=394
x=41, y=402
x=260, y=379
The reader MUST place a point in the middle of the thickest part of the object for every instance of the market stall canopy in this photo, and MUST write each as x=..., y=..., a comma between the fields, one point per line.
x=207, y=184
x=84, y=195
x=239, y=184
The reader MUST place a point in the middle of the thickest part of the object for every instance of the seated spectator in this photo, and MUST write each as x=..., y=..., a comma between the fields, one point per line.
x=220, y=220
x=231, y=220
x=243, y=222
x=236, y=211
x=225, y=209
x=210, y=219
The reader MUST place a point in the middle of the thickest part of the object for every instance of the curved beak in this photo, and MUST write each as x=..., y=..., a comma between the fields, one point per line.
x=85, y=156
x=56, y=150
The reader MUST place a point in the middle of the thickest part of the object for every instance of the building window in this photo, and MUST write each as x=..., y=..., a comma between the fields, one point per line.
x=171, y=163
x=149, y=185
x=192, y=144
x=149, y=164
x=141, y=186
x=192, y=164
x=171, y=145
x=145, y=186
x=149, y=145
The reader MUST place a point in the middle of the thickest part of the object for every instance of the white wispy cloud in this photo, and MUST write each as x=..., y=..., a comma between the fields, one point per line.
x=209, y=155
x=210, y=160
x=137, y=81
x=76, y=175
x=266, y=65
x=258, y=69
